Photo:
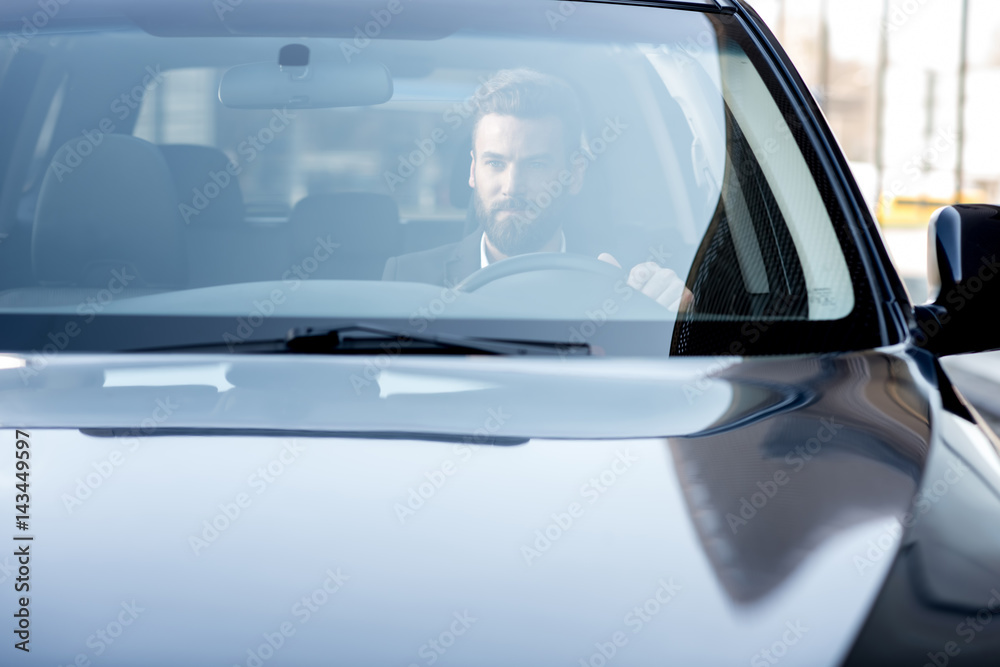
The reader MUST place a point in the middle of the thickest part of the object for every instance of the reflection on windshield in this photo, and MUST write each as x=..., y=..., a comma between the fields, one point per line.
x=258, y=177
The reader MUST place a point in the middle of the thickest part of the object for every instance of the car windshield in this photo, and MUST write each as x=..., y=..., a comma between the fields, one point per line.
x=632, y=178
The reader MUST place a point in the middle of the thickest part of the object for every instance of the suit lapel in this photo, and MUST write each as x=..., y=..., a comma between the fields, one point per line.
x=464, y=260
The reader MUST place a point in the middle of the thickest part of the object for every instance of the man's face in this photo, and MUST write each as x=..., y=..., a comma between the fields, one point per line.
x=517, y=164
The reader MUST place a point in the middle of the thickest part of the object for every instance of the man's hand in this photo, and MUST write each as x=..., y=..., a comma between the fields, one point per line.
x=660, y=284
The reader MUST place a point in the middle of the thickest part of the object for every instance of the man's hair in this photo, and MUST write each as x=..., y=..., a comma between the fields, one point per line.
x=526, y=93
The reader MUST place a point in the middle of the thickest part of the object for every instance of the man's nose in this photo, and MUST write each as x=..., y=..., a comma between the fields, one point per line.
x=514, y=181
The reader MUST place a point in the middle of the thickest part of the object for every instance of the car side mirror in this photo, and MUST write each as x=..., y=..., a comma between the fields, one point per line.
x=963, y=276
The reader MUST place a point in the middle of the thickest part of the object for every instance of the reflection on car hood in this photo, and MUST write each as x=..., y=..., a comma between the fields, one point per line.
x=543, y=398
x=633, y=508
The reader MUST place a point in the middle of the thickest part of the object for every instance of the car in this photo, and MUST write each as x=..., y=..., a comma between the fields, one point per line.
x=479, y=332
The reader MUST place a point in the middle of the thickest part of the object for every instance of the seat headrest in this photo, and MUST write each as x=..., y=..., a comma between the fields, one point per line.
x=362, y=223
x=209, y=193
x=105, y=206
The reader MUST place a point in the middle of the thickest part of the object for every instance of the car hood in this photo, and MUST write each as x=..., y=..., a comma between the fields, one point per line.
x=358, y=510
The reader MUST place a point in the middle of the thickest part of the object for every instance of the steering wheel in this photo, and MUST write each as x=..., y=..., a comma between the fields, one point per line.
x=538, y=261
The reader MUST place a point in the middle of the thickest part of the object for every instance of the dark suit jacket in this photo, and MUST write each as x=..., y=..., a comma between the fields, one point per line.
x=446, y=265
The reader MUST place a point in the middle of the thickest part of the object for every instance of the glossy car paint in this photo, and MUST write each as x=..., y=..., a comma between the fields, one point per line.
x=942, y=594
x=877, y=548
x=749, y=491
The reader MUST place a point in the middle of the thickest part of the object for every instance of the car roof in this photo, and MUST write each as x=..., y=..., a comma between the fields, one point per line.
x=64, y=14
x=286, y=18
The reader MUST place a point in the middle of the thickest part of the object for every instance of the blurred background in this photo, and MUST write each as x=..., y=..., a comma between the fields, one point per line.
x=912, y=91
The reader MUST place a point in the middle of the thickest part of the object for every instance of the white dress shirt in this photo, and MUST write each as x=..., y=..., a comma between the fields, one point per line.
x=484, y=259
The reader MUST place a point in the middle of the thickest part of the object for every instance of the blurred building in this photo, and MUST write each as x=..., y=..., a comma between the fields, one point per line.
x=835, y=45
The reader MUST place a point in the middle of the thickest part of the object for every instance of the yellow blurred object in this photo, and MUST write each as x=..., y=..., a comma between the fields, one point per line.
x=917, y=211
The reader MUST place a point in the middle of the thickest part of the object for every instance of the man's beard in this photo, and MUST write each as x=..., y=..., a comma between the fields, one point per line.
x=527, y=230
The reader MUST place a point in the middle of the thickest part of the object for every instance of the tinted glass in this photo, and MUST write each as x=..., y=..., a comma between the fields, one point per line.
x=466, y=167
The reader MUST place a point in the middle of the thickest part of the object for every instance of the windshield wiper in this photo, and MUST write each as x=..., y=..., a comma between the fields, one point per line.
x=366, y=339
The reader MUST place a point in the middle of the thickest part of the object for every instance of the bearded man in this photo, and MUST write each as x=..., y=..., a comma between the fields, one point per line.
x=526, y=141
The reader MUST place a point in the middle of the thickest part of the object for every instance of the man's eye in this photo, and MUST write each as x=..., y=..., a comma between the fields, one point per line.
x=495, y=164
x=538, y=164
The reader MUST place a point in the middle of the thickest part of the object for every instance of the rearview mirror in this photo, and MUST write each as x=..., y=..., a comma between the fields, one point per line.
x=963, y=276
x=321, y=85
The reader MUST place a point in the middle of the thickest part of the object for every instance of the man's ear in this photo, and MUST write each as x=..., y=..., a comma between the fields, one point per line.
x=472, y=170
